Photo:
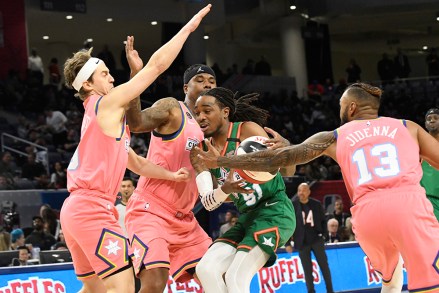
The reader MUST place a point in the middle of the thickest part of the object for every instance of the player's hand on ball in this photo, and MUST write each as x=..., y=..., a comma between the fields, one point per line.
x=210, y=157
x=277, y=141
x=181, y=175
x=234, y=186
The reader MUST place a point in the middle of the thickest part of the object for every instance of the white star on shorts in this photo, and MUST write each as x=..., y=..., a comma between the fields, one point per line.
x=112, y=247
x=136, y=253
x=268, y=241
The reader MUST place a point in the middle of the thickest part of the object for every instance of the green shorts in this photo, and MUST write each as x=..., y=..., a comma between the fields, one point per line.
x=434, y=199
x=269, y=226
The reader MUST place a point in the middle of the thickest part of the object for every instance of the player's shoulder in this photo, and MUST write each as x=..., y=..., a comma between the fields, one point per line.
x=168, y=102
x=249, y=128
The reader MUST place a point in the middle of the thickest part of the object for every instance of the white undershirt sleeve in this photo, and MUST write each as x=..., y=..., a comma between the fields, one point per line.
x=210, y=198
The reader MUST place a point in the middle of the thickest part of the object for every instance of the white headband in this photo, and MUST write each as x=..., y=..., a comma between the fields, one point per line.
x=85, y=72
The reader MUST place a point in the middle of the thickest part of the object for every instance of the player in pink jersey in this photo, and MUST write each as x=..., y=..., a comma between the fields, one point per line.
x=164, y=234
x=89, y=218
x=380, y=161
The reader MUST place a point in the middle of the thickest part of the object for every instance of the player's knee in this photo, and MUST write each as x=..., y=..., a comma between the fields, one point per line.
x=202, y=269
x=156, y=286
x=231, y=278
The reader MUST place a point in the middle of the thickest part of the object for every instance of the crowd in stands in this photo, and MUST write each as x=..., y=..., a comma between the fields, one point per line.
x=43, y=234
x=46, y=119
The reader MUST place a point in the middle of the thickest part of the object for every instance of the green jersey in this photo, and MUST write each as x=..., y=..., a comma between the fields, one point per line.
x=430, y=182
x=269, y=191
x=430, y=179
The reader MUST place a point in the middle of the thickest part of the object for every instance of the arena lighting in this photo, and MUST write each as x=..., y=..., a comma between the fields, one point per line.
x=69, y=17
x=45, y=37
x=293, y=7
x=154, y=22
x=89, y=40
x=109, y=19
x=437, y=16
x=425, y=48
x=206, y=37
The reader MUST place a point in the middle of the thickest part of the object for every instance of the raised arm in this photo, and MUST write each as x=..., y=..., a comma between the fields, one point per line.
x=120, y=96
x=322, y=143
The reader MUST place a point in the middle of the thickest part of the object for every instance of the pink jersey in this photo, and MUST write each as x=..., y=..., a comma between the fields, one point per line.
x=377, y=154
x=172, y=152
x=99, y=162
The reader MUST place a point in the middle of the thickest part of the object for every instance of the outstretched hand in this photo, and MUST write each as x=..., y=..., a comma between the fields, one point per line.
x=133, y=58
x=210, y=157
x=181, y=175
x=232, y=186
x=196, y=19
x=278, y=141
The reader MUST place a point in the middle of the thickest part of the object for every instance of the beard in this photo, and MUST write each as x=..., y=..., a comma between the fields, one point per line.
x=344, y=117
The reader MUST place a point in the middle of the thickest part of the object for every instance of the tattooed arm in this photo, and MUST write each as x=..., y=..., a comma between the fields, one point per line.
x=322, y=143
x=152, y=117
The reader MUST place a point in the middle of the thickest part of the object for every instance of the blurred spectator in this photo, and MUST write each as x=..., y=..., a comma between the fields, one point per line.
x=402, y=65
x=56, y=121
x=262, y=67
x=5, y=240
x=23, y=257
x=138, y=144
x=332, y=236
x=220, y=78
x=106, y=56
x=35, y=172
x=248, y=68
x=60, y=246
x=353, y=72
x=36, y=68
x=231, y=218
x=58, y=179
x=17, y=238
x=347, y=233
x=315, y=91
x=433, y=63
x=126, y=190
x=386, y=70
x=7, y=165
x=54, y=72
x=52, y=224
x=339, y=214
x=38, y=237
x=341, y=87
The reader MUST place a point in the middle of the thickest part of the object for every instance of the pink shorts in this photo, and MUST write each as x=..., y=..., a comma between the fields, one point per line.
x=391, y=222
x=94, y=236
x=162, y=238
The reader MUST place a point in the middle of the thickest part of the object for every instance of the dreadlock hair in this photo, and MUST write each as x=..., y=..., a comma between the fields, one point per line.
x=364, y=92
x=241, y=109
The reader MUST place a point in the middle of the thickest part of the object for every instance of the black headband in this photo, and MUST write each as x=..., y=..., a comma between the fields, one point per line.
x=432, y=111
x=197, y=70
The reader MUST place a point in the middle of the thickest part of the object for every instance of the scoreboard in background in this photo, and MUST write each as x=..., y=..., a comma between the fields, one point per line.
x=79, y=6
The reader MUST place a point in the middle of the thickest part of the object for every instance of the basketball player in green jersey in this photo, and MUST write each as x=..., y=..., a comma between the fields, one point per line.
x=267, y=218
x=430, y=177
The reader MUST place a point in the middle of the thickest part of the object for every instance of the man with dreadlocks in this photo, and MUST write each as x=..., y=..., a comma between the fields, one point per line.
x=380, y=161
x=267, y=218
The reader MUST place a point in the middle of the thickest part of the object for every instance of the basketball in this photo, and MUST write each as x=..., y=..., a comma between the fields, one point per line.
x=249, y=145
